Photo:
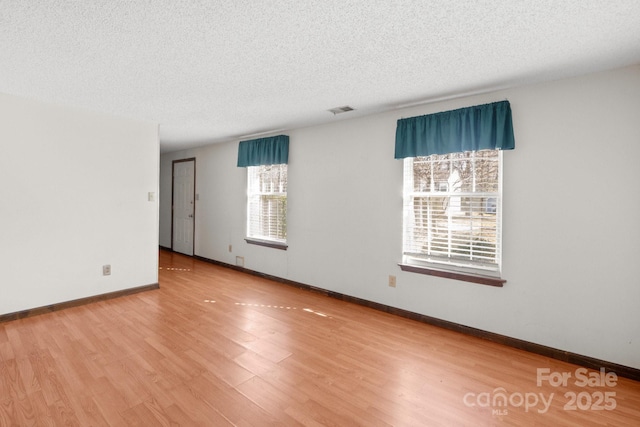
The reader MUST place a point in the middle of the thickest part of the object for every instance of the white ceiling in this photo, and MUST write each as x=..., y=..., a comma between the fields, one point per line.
x=211, y=71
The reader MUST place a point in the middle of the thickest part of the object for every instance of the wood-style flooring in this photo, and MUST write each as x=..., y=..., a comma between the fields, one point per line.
x=217, y=347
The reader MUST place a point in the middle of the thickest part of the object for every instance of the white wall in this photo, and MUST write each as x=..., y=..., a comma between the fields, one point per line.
x=73, y=197
x=571, y=227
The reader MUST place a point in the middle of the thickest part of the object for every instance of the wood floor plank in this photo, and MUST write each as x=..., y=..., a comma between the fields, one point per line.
x=42, y=413
x=11, y=383
x=3, y=334
x=46, y=374
x=224, y=369
x=312, y=413
x=64, y=414
x=269, y=397
x=8, y=416
x=217, y=347
x=142, y=415
x=255, y=363
x=125, y=380
x=178, y=416
x=27, y=376
x=6, y=350
x=197, y=408
x=236, y=406
x=88, y=411
x=268, y=350
x=110, y=402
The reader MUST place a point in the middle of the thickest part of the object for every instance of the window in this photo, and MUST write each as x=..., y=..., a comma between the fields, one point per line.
x=452, y=212
x=267, y=203
x=266, y=161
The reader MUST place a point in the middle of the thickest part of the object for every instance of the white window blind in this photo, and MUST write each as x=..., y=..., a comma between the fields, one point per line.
x=452, y=211
x=267, y=202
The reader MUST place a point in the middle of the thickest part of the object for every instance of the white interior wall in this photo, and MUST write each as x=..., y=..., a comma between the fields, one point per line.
x=73, y=197
x=570, y=217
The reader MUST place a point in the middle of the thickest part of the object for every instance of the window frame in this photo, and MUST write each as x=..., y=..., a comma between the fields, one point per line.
x=253, y=173
x=458, y=269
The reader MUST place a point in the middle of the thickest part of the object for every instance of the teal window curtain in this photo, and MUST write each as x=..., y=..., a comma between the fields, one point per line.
x=482, y=127
x=264, y=151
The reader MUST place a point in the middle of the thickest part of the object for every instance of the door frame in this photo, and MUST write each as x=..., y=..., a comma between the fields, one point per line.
x=173, y=172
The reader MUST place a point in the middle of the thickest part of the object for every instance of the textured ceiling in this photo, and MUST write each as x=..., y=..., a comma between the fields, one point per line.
x=211, y=71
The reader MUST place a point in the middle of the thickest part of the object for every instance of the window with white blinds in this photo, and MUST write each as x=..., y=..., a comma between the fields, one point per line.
x=452, y=211
x=267, y=202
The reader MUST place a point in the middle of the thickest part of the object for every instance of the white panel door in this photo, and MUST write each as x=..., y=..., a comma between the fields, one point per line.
x=183, y=206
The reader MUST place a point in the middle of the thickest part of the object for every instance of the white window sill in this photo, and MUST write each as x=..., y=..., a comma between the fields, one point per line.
x=267, y=243
x=465, y=277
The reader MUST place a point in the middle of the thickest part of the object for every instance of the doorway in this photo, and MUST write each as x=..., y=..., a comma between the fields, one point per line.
x=183, y=206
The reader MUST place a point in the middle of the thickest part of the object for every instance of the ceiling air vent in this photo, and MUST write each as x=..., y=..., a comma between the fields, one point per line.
x=340, y=110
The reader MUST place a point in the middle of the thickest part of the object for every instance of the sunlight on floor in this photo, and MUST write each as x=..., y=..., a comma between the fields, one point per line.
x=318, y=313
x=308, y=310
x=264, y=305
x=174, y=269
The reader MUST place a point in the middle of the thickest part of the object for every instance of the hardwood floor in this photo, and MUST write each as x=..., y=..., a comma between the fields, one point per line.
x=215, y=347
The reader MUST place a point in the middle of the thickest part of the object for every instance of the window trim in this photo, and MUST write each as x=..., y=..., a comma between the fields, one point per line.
x=263, y=240
x=448, y=274
x=266, y=243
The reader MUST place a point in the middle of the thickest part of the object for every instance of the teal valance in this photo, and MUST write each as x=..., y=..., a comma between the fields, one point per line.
x=482, y=127
x=264, y=151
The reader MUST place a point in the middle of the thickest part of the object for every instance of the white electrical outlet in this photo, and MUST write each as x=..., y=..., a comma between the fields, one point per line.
x=392, y=281
x=240, y=261
x=106, y=270
x=230, y=248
